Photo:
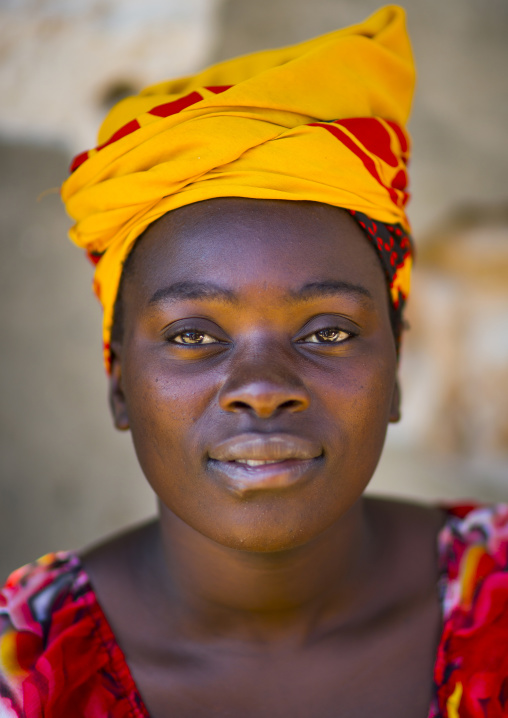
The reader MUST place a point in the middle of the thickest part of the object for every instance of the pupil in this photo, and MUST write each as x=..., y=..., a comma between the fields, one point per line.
x=192, y=337
x=328, y=334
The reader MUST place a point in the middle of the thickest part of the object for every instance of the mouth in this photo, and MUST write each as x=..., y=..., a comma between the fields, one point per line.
x=256, y=462
x=253, y=462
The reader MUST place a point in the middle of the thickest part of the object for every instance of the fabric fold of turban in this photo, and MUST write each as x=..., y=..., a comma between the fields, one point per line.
x=319, y=121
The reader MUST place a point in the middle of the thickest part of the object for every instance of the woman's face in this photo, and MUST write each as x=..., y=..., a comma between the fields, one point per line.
x=257, y=371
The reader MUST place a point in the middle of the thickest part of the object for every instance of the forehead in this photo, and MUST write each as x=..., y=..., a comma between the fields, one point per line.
x=242, y=242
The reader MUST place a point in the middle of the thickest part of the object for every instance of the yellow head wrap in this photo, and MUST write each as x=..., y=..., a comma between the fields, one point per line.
x=320, y=121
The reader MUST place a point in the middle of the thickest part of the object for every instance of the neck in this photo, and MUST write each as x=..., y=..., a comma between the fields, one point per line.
x=263, y=595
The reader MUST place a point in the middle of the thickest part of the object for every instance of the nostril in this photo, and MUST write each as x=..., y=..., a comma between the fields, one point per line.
x=290, y=404
x=239, y=406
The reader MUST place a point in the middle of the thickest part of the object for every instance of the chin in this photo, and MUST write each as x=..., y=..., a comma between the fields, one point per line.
x=265, y=543
x=266, y=536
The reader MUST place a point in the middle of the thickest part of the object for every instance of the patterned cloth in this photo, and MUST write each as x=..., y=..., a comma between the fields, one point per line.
x=321, y=121
x=59, y=658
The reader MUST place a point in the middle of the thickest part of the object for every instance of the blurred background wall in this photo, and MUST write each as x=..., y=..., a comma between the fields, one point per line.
x=67, y=477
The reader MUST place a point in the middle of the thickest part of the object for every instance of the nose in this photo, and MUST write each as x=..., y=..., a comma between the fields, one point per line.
x=264, y=397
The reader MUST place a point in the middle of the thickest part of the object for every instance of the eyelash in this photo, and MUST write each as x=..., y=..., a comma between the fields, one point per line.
x=334, y=330
x=174, y=337
x=304, y=340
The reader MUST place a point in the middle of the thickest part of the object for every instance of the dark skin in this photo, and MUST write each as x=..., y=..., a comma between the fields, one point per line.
x=259, y=331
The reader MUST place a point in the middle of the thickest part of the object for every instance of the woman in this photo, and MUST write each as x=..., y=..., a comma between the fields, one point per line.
x=253, y=262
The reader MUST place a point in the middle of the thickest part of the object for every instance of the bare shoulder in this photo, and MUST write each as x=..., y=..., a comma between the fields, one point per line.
x=408, y=533
x=115, y=564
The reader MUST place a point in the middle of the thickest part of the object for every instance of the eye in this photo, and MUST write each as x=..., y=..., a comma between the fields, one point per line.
x=329, y=335
x=192, y=337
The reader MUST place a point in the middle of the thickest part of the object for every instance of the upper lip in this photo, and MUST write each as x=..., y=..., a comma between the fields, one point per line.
x=265, y=447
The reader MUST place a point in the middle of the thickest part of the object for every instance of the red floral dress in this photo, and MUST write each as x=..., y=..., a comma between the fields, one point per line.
x=60, y=659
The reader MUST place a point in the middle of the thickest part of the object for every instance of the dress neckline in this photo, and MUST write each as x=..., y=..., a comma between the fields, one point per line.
x=119, y=660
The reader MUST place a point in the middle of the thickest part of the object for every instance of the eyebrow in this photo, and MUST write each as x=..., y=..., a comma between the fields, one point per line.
x=331, y=287
x=193, y=290
x=210, y=291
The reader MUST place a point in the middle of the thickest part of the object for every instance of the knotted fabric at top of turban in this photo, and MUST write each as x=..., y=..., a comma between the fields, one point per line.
x=320, y=121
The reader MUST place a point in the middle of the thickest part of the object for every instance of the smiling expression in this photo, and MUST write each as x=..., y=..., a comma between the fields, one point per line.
x=257, y=371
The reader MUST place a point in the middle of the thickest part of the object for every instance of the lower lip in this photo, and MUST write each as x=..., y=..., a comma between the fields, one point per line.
x=242, y=479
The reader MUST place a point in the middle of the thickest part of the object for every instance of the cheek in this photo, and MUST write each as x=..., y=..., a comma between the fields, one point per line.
x=163, y=415
x=360, y=399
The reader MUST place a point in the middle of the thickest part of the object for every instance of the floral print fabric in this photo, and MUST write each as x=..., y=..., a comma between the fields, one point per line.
x=59, y=657
x=471, y=669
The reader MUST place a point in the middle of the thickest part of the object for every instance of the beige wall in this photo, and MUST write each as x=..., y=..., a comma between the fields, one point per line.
x=66, y=476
